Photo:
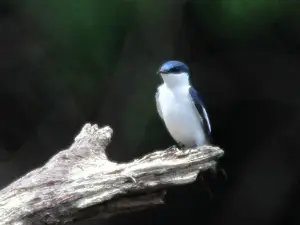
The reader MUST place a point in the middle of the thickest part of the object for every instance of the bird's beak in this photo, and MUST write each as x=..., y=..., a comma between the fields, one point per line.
x=160, y=72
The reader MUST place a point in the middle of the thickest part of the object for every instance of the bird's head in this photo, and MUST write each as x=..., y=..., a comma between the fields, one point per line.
x=174, y=73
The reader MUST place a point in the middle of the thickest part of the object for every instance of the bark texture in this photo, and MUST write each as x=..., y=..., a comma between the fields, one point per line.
x=81, y=183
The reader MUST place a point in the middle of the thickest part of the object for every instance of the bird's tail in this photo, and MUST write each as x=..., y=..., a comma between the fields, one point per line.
x=216, y=171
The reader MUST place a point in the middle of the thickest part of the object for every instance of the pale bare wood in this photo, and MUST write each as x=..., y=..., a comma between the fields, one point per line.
x=81, y=183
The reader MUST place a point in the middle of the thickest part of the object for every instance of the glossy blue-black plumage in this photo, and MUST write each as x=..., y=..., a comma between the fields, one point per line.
x=173, y=67
x=201, y=110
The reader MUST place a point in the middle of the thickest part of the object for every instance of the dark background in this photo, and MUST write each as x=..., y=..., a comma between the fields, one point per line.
x=65, y=63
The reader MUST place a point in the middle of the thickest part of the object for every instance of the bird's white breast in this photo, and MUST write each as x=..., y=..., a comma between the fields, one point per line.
x=180, y=116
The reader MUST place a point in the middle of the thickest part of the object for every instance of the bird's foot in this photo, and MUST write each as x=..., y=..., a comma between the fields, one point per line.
x=172, y=147
x=182, y=146
x=178, y=148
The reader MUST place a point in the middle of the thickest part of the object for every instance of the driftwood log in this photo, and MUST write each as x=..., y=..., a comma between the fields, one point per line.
x=80, y=182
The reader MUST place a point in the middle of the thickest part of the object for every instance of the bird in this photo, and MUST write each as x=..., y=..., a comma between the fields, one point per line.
x=180, y=107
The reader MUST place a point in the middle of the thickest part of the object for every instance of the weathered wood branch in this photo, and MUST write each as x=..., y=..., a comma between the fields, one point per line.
x=80, y=182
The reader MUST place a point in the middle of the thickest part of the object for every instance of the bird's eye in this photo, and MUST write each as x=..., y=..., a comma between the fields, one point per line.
x=175, y=70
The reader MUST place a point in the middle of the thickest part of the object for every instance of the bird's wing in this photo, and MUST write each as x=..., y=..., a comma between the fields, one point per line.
x=158, y=105
x=198, y=103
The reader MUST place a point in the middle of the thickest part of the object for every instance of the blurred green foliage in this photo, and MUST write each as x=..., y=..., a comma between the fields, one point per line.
x=240, y=19
x=83, y=42
x=82, y=38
